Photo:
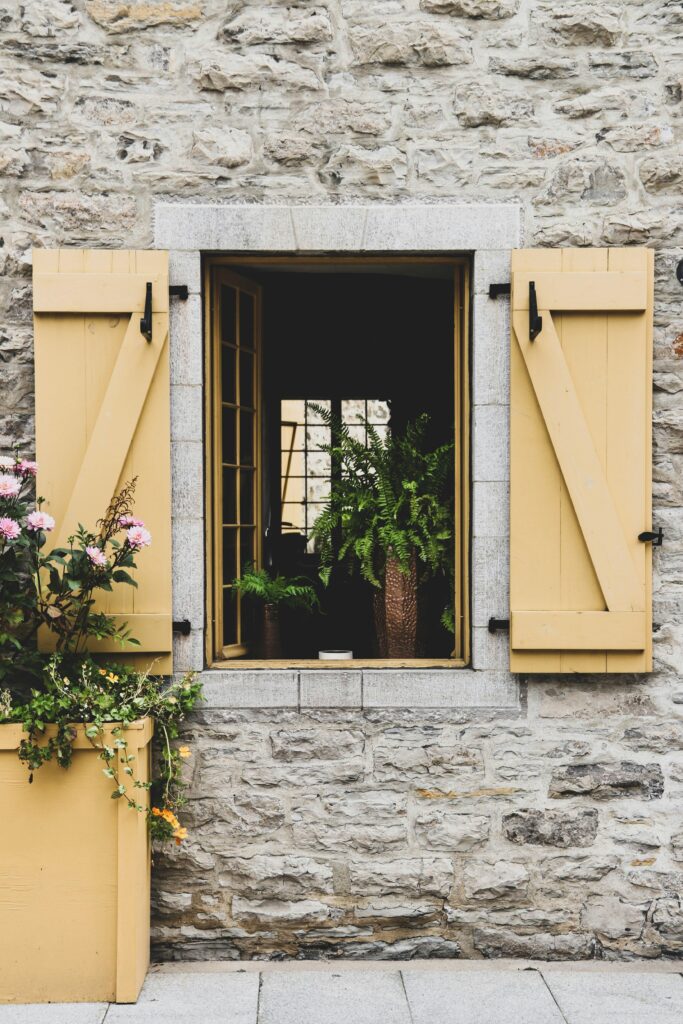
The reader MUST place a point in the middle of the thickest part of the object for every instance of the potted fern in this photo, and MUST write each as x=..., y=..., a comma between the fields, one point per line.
x=390, y=516
x=271, y=592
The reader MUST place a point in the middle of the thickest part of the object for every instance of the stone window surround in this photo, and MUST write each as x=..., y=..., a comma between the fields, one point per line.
x=488, y=232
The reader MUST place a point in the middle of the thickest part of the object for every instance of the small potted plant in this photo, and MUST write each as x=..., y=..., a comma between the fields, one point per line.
x=390, y=515
x=76, y=853
x=271, y=593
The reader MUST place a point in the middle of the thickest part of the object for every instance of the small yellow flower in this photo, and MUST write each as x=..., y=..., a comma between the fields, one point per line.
x=179, y=835
x=172, y=700
x=185, y=752
x=103, y=671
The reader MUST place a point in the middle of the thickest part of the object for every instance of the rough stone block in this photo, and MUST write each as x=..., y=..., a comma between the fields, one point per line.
x=551, y=828
x=278, y=877
x=415, y=876
x=444, y=828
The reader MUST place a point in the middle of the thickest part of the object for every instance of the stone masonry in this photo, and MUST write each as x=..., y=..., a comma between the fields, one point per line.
x=554, y=830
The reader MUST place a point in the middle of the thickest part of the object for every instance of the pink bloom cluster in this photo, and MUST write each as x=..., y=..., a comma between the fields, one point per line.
x=9, y=528
x=23, y=467
x=138, y=537
x=40, y=521
x=125, y=521
x=96, y=556
x=9, y=486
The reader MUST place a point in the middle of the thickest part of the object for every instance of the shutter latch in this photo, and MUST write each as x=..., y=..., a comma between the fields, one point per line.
x=499, y=289
x=656, y=539
x=146, y=320
x=535, y=321
x=499, y=625
x=181, y=291
x=184, y=627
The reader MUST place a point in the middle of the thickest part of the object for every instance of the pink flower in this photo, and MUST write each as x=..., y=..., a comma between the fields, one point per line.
x=40, y=521
x=27, y=468
x=9, y=528
x=138, y=537
x=96, y=556
x=9, y=486
x=126, y=521
x=7, y=463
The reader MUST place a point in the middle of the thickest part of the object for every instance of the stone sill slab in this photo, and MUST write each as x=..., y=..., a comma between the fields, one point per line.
x=363, y=689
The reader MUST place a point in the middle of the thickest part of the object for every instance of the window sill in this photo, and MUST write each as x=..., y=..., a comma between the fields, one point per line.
x=301, y=688
x=236, y=665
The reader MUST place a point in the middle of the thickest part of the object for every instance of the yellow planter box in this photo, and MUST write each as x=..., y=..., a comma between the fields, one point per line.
x=74, y=877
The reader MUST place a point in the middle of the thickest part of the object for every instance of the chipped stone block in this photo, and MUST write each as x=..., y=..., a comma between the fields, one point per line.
x=608, y=781
x=486, y=880
x=485, y=9
x=551, y=828
x=410, y=42
x=116, y=16
x=369, y=822
x=315, y=744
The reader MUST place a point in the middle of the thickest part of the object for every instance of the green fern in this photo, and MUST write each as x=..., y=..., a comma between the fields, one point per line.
x=393, y=498
x=259, y=585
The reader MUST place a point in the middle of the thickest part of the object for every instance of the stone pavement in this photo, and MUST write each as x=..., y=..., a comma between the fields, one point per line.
x=386, y=992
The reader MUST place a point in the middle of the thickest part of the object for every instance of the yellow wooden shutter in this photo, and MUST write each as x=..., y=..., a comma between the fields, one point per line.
x=103, y=415
x=580, y=461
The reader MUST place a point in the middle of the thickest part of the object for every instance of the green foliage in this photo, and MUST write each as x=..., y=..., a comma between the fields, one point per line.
x=259, y=585
x=106, y=700
x=394, y=497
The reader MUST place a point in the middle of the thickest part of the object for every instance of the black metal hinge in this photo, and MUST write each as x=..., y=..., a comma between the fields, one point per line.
x=656, y=538
x=146, y=320
x=183, y=627
x=535, y=321
x=499, y=625
x=180, y=291
x=499, y=289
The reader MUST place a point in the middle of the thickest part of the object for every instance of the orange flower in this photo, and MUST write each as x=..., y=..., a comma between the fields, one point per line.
x=179, y=835
x=156, y=812
x=185, y=752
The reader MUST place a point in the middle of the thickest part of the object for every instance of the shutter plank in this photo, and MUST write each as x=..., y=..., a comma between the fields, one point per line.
x=107, y=293
x=579, y=631
x=590, y=291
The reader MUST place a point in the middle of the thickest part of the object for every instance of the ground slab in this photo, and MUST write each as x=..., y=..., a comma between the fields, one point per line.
x=418, y=992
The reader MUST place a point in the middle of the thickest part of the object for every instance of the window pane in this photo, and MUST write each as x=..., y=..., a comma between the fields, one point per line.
x=229, y=617
x=357, y=432
x=228, y=377
x=247, y=496
x=228, y=307
x=229, y=496
x=319, y=464
x=353, y=410
x=293, y=464
x=229, y=435
x=317, y=489
x=246, y=379
x=316, y=437
x=293, y=515
x=293, y=488
x=292, y=437
x=246, y=320
x=247, y=547
x=292, y=409
x=247, y=421
x=313, y=416
x=378, y=411
x=229, y=554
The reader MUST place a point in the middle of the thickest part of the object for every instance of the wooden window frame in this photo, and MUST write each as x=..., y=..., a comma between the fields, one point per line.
x=461, y=265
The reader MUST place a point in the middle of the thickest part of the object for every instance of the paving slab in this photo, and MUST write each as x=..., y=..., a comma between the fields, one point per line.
x=54, y=1013
x=609, y=998
x=480, y=997
x=348, y=997
x=192, y=999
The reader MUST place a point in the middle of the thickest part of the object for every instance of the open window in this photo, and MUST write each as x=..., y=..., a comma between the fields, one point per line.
x=311, y=364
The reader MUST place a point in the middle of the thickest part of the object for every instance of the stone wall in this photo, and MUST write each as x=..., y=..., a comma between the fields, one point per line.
x=554, y=831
